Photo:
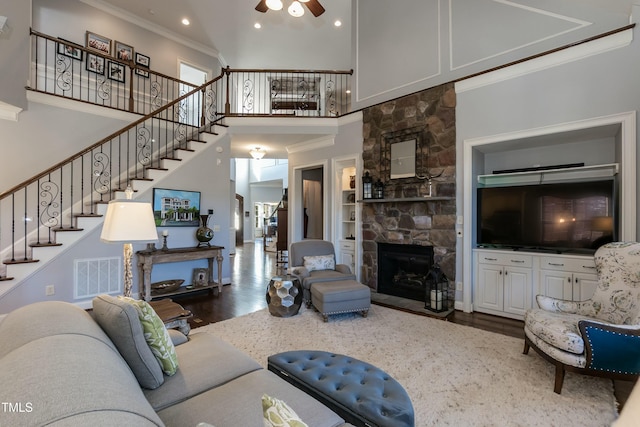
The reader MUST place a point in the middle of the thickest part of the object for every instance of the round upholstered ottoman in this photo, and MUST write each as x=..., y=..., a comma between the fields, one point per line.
x=359, y=392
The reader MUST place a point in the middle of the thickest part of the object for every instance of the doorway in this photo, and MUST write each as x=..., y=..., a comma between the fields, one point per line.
x=196, y=76
x=239, y=220
x=313, y=203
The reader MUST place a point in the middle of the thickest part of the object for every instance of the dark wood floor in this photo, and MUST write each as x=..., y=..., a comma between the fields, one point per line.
x=252, y=269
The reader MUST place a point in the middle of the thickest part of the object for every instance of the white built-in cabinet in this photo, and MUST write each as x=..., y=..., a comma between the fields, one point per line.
x=506, y=282
x=568, y=278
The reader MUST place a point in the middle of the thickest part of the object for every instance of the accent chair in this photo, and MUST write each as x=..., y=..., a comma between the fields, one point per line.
x=599, y=336
x=314, y=261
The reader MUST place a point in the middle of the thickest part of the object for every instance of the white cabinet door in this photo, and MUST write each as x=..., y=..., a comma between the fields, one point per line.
x=517, y=290
x=557, y=284
x=584, y=286
x=490, y=287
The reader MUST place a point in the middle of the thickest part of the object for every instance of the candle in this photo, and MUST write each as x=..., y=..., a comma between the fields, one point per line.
x=165, y=233
x=436, y=299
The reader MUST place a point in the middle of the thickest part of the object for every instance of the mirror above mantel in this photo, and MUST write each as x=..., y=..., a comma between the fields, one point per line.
x=401, y=153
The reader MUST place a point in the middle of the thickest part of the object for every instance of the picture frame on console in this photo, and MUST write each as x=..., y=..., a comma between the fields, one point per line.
x=200, y=277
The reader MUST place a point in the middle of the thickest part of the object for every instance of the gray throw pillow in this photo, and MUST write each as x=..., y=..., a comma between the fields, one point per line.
x=121, y=323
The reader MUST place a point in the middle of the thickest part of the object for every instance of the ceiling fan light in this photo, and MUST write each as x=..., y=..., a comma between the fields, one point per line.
x=274, y=4
x=257, y=153
x=296, y=10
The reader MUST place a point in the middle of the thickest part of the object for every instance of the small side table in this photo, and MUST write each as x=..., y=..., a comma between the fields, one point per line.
x=172, y=314
x=284, y=295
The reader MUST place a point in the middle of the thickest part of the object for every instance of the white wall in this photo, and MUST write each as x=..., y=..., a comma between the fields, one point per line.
x=14, y=52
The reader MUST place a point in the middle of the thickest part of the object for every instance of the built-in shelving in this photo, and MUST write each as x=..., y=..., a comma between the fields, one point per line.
x=549, y=175
x=406, y=199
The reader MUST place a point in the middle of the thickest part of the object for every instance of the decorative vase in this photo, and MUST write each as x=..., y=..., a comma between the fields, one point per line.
x=204, y=234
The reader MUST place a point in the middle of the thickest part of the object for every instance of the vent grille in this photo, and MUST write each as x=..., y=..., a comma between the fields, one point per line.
x=97, y=276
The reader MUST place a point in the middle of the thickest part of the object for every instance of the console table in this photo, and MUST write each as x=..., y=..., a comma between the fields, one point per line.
x=146, y=260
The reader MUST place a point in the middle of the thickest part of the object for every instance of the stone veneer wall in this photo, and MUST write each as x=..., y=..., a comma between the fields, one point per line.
x=432, y=221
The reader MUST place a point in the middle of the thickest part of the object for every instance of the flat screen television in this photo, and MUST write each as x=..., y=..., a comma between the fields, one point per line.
x=558, y=217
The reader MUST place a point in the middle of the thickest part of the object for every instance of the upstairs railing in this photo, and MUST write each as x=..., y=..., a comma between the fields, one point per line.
x=65, y=69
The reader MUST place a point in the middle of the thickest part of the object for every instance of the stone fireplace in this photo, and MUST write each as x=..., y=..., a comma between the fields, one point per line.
x=408, y=215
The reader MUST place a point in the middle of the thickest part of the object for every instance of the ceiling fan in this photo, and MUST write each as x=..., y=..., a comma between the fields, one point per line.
x=295, y=9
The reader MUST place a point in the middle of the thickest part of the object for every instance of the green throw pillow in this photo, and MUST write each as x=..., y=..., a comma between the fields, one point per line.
x=278, y=414
x=156, y=335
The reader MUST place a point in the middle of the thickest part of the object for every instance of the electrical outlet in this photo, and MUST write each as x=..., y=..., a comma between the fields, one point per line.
x=216, y=227
x=458, y=286
x=50, y=290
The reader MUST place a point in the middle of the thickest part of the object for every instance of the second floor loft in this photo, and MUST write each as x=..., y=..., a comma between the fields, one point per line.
x=65, y=69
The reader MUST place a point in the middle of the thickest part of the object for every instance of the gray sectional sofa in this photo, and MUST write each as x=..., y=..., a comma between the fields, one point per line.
x=59, y=367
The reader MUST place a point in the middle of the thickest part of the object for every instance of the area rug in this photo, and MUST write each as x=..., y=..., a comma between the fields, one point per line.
x=455, y=375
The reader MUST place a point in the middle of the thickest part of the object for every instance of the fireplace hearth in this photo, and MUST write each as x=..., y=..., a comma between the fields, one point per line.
x=403, y=270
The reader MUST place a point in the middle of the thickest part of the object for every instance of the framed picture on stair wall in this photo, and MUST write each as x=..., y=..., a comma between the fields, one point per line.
x=98, y=43
x=95, y=63
x=115, y=71
x=176, y=208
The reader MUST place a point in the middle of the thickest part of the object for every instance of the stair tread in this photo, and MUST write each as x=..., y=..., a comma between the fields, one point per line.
x=185, y=149
x=88, y=215
x=44, y=245
x=3, y=278
x=20, y=261
x=171, y=158
x=62, y=229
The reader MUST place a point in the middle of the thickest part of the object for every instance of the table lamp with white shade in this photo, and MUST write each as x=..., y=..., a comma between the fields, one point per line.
x=128, y=221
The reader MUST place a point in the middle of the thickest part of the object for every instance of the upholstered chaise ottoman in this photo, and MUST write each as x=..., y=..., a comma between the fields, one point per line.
x=342, y=296
x=361, y=393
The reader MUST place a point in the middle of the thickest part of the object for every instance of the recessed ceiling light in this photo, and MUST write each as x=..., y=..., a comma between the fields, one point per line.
x=257, y=26
x=185, y=21
x=152, y=12
x=348, y=91
x=338, y=23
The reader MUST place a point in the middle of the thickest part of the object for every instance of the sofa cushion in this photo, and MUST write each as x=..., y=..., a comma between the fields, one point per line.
x=237, y=403
x=278, y=414
x=156, y=335
x=45, y=319
x=121, y=322
x=206, y=361
x=70, y=379
x=319, y=262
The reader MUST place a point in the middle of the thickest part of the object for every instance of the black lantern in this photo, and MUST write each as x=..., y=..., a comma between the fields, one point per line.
x=436, y=298
x=367, y=186
x=378, y=189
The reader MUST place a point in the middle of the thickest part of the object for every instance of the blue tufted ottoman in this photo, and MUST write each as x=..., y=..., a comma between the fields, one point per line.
x=361, y=393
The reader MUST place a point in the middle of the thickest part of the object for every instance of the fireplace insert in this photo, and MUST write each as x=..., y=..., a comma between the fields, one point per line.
x=403, y=270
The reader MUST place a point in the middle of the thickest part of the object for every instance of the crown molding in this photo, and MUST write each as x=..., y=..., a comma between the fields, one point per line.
x=148, y=25
x=310, y=145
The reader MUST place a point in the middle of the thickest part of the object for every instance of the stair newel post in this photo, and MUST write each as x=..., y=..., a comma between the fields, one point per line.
x=131, y=103
x=203, y=106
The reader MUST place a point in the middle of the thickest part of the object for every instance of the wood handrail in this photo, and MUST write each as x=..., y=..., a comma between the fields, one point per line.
x=264, y=70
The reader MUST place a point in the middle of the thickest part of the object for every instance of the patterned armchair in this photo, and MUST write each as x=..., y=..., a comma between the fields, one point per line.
x=600, y=336
x=314, y=261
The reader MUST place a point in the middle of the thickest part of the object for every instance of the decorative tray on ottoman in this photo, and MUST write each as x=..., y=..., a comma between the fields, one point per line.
x=166, y=286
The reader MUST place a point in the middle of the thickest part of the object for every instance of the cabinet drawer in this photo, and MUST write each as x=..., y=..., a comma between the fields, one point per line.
x=349, y=245
x=577, y=265
x=505, y=259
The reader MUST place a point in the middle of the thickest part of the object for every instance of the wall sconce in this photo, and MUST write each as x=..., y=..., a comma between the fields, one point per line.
x=257, y=153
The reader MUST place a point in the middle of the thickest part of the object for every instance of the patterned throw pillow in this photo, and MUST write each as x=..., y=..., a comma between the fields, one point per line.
x=278, y=414
x=156, y=335
x=319, y=262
